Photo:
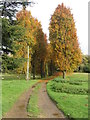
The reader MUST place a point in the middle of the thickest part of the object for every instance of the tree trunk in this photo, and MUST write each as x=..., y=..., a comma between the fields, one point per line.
x=33, y=71
x=27, y=77
x=42, y=71
x=51, y=68
x=64, y=74
x=46, y=70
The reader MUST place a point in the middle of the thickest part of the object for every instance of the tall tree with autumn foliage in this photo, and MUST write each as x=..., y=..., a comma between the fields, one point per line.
x=35, y=39
x=25, y=19
x=63, y=40
x=40, y=52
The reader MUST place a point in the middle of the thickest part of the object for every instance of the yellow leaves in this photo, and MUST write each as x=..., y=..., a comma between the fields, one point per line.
x=56, y=26
x=23, y=15
x=33, y=36
x=57, y=47
x=63, y=15
x=28, y=22
x=63, y=39
x=55, y=21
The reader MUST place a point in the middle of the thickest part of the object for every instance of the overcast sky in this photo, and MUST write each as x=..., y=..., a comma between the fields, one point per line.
x=43, y=9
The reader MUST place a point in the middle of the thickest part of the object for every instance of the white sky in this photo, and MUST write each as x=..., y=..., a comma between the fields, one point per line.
x=45, y=8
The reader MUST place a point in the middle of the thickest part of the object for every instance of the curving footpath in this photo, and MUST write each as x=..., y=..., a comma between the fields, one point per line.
x=47, y=107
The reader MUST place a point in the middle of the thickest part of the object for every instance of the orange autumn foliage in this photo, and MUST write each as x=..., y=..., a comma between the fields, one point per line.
x=25, y=19
x=63, y=40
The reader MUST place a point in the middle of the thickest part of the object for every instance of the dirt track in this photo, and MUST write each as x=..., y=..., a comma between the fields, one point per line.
x=47, y=107
x=19, y=110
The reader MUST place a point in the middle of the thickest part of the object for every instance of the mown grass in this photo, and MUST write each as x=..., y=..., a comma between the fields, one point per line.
x=11, y=90
x=7, y=76
x=74, y=105
x=33, y=110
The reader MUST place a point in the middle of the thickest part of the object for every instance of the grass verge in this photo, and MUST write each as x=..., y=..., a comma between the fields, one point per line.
x=73, y=105
x=33, y=110
x=11, y=90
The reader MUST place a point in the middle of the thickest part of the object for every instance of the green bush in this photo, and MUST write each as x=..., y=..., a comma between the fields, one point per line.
x=86, y=68
x=10, y=64
x=85, y=65
x=75, y=83
x=60, y=80
x=71, y=80
x=64, y=88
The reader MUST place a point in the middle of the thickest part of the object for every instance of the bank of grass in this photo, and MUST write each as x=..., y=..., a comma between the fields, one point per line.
x=11, y=90
x=73, y=104
x=33, y=110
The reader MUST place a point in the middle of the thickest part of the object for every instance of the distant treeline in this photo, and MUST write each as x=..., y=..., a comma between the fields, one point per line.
x=85, y=65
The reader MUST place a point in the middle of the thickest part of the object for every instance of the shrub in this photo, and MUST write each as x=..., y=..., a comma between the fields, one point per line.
x=60, y=80
x=75, y=83
x=86, y=68
x=64, y=88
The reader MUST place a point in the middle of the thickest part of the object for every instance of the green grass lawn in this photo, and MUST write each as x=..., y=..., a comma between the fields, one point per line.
x=33, y=110
x=11, y=90
x=70, y=95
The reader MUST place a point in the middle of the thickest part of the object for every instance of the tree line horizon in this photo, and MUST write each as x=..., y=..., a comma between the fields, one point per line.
x=63, y=53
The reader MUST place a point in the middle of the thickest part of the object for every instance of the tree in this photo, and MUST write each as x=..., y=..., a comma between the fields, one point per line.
x=10, y=34
x=39, y=56
x=6, y=33
x=49, y=60
x=85, y=65
x=10, y=64
x=39, y=51
x=63, y=40
x=26, y=20
x=8, y=8
x=42, y=52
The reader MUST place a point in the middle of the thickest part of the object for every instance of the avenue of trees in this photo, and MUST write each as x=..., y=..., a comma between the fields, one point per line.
x=62, y=53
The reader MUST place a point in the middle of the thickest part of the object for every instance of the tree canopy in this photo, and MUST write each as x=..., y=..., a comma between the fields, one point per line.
x=63, y=39
x=62, y=53
x=8, y=8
